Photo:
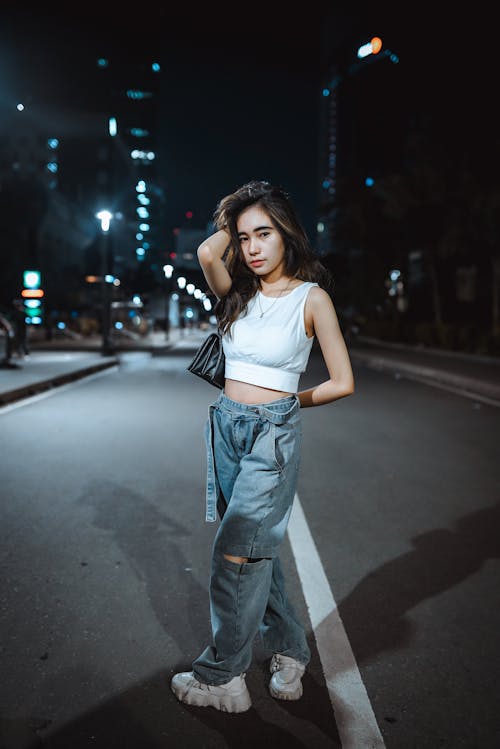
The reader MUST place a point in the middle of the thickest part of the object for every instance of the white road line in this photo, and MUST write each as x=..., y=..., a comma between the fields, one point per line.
x=52, y=391
x=356, y=722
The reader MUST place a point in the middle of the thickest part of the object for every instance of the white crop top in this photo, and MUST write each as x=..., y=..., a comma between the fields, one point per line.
x=273, y=350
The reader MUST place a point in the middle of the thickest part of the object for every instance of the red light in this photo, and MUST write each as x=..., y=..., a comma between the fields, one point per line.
x=173, y=255
x=189, y=214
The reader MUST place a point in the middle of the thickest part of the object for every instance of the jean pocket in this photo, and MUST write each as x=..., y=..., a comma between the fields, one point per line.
x=286, y=444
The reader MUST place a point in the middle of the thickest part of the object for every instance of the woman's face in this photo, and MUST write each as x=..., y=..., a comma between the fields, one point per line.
x=261, y=243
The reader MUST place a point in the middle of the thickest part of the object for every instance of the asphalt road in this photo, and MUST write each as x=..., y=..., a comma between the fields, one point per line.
x=105, y=556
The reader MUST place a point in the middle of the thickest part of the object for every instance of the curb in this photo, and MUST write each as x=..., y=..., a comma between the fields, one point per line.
x=33, y=388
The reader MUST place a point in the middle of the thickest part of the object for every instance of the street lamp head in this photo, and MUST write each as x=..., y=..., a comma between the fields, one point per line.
x=105, y=219
x=373, y=47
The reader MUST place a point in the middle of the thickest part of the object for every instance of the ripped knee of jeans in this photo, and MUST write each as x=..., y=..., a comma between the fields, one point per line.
x=243, y=560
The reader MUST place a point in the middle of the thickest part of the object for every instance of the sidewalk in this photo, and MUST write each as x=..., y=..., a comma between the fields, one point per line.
x=46, y=370
x=63, y=360
x=53, y=363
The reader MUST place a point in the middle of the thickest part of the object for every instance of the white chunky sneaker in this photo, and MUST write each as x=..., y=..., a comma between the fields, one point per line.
x=286, y=677
x=232, y=697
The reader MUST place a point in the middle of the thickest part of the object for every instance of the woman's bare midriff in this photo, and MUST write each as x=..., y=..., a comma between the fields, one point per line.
x=243, y=392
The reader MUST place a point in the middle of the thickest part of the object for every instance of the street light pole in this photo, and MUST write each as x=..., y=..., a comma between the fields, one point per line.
x=106, y=345
x=168, y=271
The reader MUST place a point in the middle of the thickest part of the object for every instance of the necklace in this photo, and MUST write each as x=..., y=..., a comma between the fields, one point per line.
x=263, y=312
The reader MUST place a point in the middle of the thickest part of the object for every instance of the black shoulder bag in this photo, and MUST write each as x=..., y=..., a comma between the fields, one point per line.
x=209, y=361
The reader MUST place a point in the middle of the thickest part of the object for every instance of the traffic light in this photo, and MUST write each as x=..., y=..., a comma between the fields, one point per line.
x=32, y=295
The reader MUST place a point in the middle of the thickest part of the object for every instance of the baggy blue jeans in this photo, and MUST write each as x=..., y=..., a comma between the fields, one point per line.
x=253, y=454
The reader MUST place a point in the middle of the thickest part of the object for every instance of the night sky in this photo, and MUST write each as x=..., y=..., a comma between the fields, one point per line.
x=241, y=82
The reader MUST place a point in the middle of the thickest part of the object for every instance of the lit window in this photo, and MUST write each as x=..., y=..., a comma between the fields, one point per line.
x=137, y=95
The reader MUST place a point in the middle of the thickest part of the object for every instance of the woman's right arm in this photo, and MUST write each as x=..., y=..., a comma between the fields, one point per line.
x=210, y=253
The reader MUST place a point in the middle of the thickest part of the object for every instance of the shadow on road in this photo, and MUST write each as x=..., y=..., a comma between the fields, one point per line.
x=150, y=539
x=441, y=559
x=148, y=716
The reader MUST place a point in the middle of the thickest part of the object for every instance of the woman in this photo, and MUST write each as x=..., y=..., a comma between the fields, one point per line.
x=270, y=307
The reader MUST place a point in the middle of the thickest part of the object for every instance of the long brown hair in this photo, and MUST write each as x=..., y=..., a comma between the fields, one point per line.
x=300, y=261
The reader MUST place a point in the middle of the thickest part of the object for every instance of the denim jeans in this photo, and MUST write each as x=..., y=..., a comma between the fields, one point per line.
x=253, y=457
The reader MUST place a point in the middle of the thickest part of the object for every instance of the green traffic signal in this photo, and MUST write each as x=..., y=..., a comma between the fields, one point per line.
x=32, y=295
x=32, y=279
